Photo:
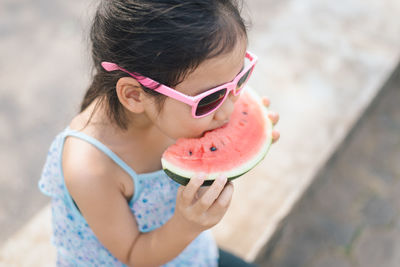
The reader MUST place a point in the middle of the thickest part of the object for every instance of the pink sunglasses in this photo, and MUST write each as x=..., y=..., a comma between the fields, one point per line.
x=204, y=103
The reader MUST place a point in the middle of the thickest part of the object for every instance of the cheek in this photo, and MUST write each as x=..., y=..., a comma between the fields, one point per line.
x=176, y=121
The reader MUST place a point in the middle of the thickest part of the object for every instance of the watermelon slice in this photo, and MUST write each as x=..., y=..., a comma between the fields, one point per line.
x=231, y=150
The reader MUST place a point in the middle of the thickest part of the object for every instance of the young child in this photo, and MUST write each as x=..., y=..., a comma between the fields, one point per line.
x=112, y=204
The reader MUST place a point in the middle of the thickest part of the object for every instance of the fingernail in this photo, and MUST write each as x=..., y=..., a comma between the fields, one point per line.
x=221, y=179
x=199, y=178
x=273, y=113
x=201, y=175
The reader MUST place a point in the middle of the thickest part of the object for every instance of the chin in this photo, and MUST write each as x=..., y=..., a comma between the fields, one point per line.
x=179, y=136
x=188, y=134
x=196, y=135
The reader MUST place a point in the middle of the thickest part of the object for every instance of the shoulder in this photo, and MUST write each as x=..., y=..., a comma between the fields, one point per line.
x=93, y=181
x=88, y=171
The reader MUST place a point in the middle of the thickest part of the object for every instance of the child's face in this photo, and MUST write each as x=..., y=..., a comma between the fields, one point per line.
x=175, y=119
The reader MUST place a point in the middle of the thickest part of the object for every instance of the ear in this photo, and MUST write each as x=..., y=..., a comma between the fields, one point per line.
x=130, y=94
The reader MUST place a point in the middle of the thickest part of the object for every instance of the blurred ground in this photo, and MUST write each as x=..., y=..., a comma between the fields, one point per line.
x=351, y=214
x=42, y=72
x=315, y=62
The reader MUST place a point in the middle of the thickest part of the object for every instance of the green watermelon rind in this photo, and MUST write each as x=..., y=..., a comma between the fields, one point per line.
x=182, y=176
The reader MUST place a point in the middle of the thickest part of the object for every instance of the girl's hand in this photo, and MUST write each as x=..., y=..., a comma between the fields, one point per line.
x=199, y=208
x=274, y=118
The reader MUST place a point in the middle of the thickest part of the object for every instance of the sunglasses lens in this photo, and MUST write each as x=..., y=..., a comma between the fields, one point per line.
x=243, y=80
x=210, y=102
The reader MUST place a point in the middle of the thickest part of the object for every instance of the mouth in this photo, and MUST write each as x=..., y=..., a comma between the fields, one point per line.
x=223, y=125
x=218, y=127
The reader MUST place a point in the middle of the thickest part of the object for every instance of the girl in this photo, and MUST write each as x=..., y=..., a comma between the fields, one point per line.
x=112, y=204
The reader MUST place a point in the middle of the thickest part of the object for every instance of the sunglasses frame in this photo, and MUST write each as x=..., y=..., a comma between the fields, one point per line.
x=192, y=101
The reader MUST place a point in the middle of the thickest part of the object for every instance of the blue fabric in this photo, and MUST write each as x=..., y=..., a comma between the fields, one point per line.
x=153, y=205
x=227, y=259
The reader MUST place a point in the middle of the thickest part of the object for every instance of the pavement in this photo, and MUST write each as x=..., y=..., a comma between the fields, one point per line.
x=308, y=64
x=42, y=73
x=350, y=216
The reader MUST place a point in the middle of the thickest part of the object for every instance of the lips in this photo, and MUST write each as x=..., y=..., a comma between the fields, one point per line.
x=220, y=126
x=224, y=124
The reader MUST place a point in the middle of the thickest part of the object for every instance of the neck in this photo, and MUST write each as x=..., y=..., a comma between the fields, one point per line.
x=141, y=144
x=95, y=120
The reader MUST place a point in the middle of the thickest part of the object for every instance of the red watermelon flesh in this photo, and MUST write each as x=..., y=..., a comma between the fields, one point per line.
x=231, y=150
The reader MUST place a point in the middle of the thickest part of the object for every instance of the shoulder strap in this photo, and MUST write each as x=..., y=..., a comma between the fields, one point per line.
x=109, y=153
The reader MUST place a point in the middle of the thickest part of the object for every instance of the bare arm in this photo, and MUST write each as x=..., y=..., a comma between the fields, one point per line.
x=107, y=212
x=193, y=214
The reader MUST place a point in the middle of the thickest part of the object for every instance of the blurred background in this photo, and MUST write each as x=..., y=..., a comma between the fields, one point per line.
x=330, y=69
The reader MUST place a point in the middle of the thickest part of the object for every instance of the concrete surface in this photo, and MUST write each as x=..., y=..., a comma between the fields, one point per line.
x=43, y=73
x=350, y=216
x=321, y=63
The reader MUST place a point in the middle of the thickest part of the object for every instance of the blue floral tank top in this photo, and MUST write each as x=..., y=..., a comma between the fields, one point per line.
x=153, y=205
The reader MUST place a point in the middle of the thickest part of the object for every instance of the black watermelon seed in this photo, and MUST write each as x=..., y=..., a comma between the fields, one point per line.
x=190, y=153
x=244, y=112
x=213, y=148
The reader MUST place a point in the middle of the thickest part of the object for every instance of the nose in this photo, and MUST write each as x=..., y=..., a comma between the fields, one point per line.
x=225, y=110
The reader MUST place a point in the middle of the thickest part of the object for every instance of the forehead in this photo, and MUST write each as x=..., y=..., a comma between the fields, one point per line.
x=215, y=71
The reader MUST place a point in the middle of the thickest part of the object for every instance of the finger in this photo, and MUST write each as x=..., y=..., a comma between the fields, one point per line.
x=190, y=190
x=212, y=193
x=224, y=199
x=266, y=101
x=275, y=136
x=200, y=192
x=274, y=117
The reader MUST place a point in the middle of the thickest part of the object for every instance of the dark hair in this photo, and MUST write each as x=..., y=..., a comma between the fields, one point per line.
x=161, y=39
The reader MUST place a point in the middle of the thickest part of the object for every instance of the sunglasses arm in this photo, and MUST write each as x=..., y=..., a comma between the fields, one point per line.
x=165, y=90
x=147, y=82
